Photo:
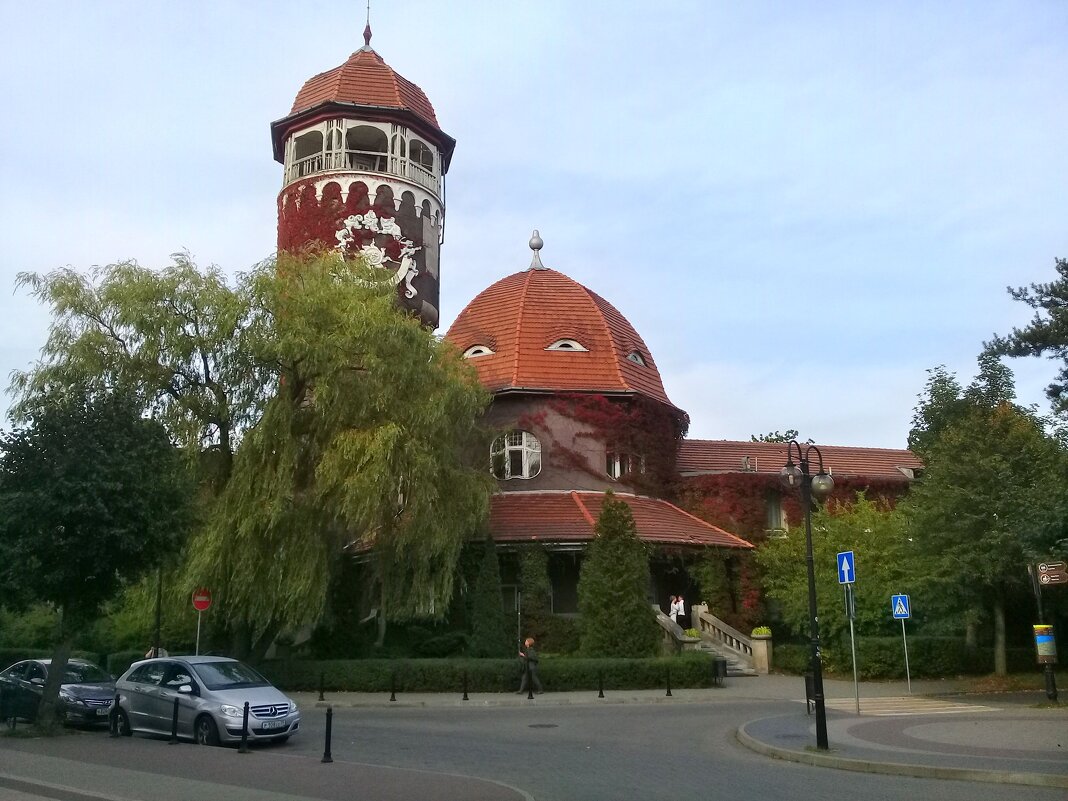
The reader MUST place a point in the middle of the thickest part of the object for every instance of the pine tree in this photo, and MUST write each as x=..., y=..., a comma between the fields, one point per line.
x=490, y=633
x=617, y=617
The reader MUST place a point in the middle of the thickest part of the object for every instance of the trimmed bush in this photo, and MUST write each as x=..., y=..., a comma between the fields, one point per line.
x=487, y=675
x=491, y=634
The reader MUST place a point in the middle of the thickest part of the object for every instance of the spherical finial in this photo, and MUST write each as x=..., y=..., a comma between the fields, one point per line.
x=536, y=245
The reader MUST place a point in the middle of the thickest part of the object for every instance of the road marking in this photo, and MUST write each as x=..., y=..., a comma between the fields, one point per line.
x=884, y=707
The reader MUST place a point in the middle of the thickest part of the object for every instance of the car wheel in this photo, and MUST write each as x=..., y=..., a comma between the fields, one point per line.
x=205, y=731
x=124, y=724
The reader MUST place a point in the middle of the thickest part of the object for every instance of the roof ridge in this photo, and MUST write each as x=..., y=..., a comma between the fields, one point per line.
x=617, y=352
x=519, y=326
x=582, y=508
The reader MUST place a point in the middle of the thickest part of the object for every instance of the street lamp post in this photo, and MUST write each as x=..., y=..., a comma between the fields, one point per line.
x=819, y=485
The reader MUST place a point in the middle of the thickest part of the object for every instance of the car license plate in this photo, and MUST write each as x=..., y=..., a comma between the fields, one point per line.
x=103, y=711
x=272, y=724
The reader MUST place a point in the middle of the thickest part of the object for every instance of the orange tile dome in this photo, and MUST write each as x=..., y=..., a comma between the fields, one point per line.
x=522, y=317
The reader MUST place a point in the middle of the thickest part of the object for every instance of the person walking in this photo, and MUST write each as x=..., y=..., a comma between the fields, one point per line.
x=530, y=667
x=680, y=606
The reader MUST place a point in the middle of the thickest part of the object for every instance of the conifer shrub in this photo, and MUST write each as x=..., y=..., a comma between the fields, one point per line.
x=616, y=616
x=537, y=594
x=491, y=634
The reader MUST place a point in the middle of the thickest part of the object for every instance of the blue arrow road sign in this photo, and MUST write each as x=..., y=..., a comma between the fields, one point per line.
x=899, y=605
x=847, y=573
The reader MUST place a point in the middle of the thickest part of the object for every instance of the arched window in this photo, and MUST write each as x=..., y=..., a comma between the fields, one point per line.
x=364, y=143
x=636, y=357
x=421, y=155
x=567, y=344
x=307, y=144
x=516, y=454
x=477, y=350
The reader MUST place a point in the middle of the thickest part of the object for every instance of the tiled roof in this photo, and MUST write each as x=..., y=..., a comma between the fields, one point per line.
x=367, y=80
x=571, y=517
x=697, y=456
x=521, y=315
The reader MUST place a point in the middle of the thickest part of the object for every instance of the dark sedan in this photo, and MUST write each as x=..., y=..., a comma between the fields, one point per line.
x=85, y=696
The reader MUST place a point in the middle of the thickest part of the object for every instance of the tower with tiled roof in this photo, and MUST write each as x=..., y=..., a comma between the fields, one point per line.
x=364, y=164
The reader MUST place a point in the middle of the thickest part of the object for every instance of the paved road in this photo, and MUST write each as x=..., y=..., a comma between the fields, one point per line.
x=553, y=749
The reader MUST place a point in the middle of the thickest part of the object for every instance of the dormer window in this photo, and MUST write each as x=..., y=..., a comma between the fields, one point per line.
x=477, y=350
x=567, y=344
x=516, y=454
x=618, y=465
x=636, y=357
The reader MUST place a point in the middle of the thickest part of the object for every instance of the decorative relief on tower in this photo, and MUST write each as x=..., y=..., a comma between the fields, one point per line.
x=380, y=241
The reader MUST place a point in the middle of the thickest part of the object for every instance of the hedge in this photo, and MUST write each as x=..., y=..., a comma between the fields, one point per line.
x=487, y=675
x=883, y=658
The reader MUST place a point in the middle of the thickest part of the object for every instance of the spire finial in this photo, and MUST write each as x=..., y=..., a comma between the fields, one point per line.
x=367, y=29
x=536, y=245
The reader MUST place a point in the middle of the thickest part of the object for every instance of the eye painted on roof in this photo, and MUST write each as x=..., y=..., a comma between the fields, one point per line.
x=636, y=357
x=566, y=344
x=477, y=350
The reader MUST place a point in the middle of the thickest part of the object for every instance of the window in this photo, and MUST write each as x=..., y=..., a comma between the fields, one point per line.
x=516, y=454
x=619, y=464
x=566, y=344
x=477, y=350
x=636, y=357
x=776, y=518
x=421, y=155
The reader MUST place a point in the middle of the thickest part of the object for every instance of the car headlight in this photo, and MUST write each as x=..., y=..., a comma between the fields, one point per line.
x=64, y=695
x=232, y=711
x=293, y=707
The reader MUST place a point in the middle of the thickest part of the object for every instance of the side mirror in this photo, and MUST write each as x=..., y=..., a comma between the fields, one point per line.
x=38, y=681
x=187, y=689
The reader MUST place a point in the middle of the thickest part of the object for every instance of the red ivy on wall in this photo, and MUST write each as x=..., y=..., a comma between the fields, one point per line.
x=307, y=222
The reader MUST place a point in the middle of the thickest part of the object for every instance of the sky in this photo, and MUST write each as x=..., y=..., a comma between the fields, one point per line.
x=801, y=207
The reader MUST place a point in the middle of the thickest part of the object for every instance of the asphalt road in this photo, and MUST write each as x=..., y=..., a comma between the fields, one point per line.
x=589, y=753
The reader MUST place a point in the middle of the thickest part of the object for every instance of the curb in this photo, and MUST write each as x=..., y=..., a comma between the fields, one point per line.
x=827, y=760
x=57, y=791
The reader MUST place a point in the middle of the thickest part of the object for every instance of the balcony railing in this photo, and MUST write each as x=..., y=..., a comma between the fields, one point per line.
x=363, y=161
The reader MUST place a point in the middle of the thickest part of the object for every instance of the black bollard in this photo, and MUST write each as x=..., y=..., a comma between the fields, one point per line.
x=465, y=685
x=174, y=723
x=113, y=717
x=600, y=684
x=321, y=698
x=530, y=684
x=243, y=748
x=668, y=695
x=393, y=686
x=329, y=730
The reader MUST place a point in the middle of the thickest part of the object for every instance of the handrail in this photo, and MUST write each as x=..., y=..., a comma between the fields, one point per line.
x=720, y=632
x=363, y=161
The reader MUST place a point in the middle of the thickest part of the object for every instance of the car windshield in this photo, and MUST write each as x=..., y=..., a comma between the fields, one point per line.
x=77, y=673
x=228, y=675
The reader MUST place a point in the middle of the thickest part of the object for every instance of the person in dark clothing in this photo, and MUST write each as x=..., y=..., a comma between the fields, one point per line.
x=530, y=667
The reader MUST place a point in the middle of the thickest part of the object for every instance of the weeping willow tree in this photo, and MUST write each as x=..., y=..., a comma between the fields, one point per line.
x=321, y=416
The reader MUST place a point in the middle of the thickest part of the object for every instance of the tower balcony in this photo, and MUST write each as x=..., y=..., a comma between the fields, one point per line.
x=371, y=161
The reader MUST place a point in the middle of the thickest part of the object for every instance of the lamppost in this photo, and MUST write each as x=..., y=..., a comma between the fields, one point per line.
x=818, y=485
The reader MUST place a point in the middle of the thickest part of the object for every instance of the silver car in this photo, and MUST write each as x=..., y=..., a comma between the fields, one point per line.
x=211, y=692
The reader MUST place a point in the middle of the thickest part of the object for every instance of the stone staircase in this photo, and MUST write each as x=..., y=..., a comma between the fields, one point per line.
x=711, y=641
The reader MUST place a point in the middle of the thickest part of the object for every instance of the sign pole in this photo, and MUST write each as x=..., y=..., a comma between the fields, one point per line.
x=905, y=642
x=199, y=613
x=201, y=602
x=851, y=610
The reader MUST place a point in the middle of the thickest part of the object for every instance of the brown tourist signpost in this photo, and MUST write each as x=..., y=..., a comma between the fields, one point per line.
x=1046, y=574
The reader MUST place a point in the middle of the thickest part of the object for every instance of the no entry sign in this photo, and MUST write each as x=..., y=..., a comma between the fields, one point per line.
x=202, y=599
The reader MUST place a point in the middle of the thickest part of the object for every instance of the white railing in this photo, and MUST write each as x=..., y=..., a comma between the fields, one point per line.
x=363, y=161
x=719, y=632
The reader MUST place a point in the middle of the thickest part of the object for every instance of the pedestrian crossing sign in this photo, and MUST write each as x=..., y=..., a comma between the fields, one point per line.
x=899, y=605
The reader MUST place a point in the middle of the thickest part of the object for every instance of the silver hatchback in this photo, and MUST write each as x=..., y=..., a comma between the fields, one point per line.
x=211, y=692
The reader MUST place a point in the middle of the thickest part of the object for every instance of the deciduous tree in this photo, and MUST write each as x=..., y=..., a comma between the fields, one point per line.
x=91, y=496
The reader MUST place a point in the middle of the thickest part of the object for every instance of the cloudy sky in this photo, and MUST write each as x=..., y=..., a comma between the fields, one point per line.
x=800, y=206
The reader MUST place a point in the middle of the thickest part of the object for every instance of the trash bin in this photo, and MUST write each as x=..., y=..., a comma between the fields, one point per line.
x=810, y=692
x=719, y=670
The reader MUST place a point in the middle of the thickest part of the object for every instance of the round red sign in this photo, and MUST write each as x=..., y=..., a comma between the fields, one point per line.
x=202, y=599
